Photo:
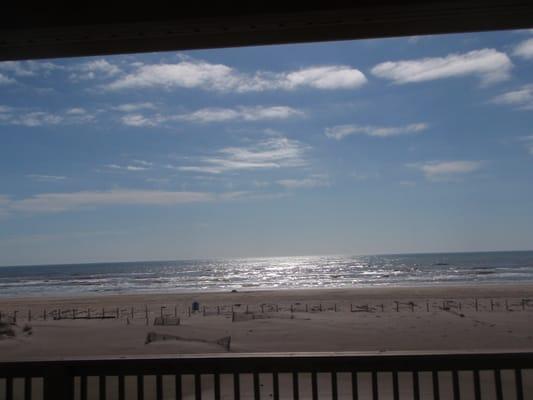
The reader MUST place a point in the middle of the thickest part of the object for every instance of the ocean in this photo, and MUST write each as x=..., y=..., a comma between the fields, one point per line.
x=267, y=273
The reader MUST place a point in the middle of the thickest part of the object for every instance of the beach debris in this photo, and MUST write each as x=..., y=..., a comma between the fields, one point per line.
x=27, y=329
x=195, y=306
x=6, y=330
x=166, y=320
x=225, y=341
x=234, y=291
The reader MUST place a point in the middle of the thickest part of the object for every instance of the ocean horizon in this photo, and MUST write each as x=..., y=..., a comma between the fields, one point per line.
x=263, y=273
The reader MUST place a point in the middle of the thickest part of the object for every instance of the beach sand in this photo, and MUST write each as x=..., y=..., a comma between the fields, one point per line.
x=434, y=322
x=382, y=320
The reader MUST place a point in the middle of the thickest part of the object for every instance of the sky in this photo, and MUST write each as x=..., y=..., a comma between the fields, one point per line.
x=418, y=144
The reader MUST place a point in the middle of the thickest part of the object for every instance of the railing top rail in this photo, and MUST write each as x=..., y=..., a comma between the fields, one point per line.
x=269, y=362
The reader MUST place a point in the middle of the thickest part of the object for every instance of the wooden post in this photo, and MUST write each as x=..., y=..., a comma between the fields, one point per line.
x=335, y=307
x=175, y=312
x=59, y=313
x=476, y=304
x=427, y=306
x=523, y=305
x=89, y=313
x=277, y=308
x=397, y=306
x=132, y=313
x=491, y=305
x=292, y=308
x=506, y=305
x=320, y=307
x=412, y=304
x=118, y=313
x=382, y=308
x=162, y=307
x=460, y=306
x=44, y=315
x=103, y=312
x=29, y=315
x=203, y=310
x=146, y=311
x=247, y=309
x=218, y=310
x=189, y=311
x=232, y=316
x=307, y=308
x=263, y=308
x=73, y=313
x=15, y=316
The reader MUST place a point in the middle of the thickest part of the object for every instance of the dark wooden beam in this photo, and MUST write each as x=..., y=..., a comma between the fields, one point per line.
x=46, y=33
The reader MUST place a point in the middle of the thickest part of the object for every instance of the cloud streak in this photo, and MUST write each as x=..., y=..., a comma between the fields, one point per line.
x=521, y=98
x=524, y=49
x=341, y=131
x=443, y=170
x=489, y=65
x=190, y=73
x=278, y=152
x=310, y=182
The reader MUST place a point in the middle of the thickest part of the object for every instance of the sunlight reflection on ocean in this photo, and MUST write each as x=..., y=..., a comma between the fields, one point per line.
x=267, y=273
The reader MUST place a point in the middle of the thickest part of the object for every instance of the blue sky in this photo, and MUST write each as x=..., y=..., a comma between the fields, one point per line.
x=414, y=144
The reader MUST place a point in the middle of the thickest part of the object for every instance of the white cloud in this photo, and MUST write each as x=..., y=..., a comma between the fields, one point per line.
x=524, y=49
x=305, y=183
x=14, y=116
x=28, y=68
x=47, y=178
x=257, y=113
x=139, y=120
x=489, y=65
x=276, y=152
x=37, y=118
x=521, y=98
x=132, y=107
x=94, y=69
x=437, y=170
x=57, y=202
x=341, y=131
x=5, y=80
x=126, y=167
x=190, y=73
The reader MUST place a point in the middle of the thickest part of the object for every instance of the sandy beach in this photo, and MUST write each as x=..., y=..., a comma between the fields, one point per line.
x=460, y=318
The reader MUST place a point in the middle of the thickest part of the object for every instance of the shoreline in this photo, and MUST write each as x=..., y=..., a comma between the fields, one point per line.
x=496, y=288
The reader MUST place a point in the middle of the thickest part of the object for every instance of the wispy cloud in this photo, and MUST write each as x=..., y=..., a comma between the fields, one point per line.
x=139, y=120
x=28, y=68
x=132, y=107
x=521, y=98
x=13, y=116
x=278, y=152
x=313, y=181
x=443, y=170
x=133, y=166
x=190, y=73
x=489, y=65
x=524, y=49
x=46, y=178
x=212, y=115
x=5, y=80
x=93, y=69
x=341, y=131
x=242, y=113
x=58, y=202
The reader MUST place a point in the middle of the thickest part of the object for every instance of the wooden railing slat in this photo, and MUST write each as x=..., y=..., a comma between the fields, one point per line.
x=217, y=386
x=498, y=384
x=275, y=385
x=334, y=388
x=518, y=383
x=257, y=387
x=477, y=385
x=355, y=387
x=121, y=388
x=295, y=386
x=416, y=386
x=435, y=378
x=159, y=387
x=314, y=386
x=198, y=387
x=140, y=387
x=395, y=386
x=27, y=388
x=455, y=385
x=236, y=386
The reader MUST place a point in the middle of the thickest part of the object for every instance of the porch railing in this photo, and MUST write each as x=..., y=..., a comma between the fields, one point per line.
x=274, y=376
